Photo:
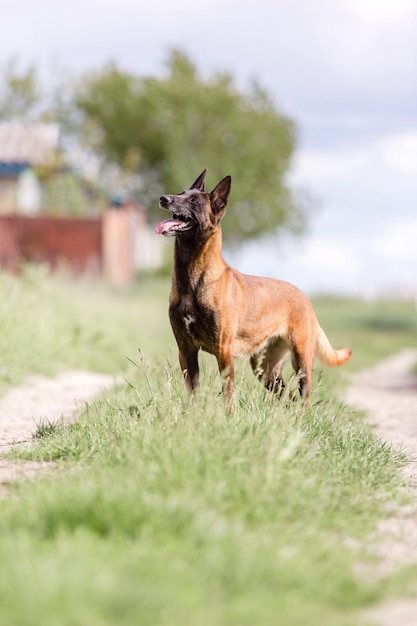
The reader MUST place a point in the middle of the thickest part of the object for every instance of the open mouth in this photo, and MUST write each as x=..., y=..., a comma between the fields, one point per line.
x=172, y=226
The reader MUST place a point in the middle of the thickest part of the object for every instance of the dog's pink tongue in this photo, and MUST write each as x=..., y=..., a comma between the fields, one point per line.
x=162, y=227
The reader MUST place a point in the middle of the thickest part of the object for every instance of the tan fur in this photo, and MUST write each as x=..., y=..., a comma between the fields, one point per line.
x=215, y=308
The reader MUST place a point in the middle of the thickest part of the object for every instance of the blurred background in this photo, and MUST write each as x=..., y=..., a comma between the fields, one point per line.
x=310, y=106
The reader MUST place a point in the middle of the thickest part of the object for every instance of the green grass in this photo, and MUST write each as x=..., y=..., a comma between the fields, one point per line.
x=182, y=515
x=49, y=324
x=373, y=329
x=170, y=512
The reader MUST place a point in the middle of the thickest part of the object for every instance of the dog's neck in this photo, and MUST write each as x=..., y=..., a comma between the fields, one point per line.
x=197, y=261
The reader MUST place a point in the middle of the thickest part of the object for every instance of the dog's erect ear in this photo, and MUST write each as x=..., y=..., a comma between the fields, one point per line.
x=199, y=183
x=220, y=196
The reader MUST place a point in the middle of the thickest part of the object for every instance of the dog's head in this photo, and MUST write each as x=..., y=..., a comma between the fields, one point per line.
x=195, y=211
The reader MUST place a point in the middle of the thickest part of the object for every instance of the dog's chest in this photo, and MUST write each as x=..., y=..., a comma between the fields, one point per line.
x=189, y=323
x=194, y=322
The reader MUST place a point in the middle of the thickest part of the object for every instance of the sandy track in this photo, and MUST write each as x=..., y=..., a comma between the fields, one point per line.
x=39, y=399
x=388, y=395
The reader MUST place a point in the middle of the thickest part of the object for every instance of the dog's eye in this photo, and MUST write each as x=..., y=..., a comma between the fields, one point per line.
x=193, y=200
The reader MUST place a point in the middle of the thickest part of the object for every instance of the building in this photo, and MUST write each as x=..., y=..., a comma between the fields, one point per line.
x=25, y=149
x=50, y=215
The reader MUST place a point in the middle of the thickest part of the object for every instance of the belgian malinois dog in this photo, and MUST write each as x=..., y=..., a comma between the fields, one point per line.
x=215, y=308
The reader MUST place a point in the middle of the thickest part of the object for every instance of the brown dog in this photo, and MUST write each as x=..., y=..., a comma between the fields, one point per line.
x=215, y=308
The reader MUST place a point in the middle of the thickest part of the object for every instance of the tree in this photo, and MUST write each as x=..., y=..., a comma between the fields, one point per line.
x=24, y=96
x=19, y=92
x=169, y=129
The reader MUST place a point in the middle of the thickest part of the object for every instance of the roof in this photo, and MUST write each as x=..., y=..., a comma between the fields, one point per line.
x=8, y=170
x=33, y=144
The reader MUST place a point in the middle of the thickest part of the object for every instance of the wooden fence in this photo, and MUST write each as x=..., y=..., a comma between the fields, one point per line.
x=96, y=246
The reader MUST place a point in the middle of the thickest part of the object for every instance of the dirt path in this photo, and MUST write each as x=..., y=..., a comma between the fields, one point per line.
x=39, y=399
x=388, y=395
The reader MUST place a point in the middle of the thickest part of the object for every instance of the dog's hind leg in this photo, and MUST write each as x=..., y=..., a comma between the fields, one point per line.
x=303, y=366
x=267, y=365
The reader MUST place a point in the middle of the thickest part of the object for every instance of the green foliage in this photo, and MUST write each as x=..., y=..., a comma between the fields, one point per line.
x=20, y=91
x=93, y=326
x=65, y=193
x=156, y=134
x=27, y=95
x=50, y=323
x=374, y=330
x=169, y=129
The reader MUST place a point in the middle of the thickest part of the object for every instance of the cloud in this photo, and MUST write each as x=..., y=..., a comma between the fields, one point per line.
x=315, y=264
x=331, y=255
x=319, y=167
x=387, y=162
x=397, y=242
x=324, y=59
x=380, y=10
x=400, y=152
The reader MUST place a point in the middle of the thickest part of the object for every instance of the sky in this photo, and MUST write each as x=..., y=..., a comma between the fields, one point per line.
x=344, y=70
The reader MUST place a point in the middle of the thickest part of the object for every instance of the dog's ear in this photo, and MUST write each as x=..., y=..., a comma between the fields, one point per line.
x=220, y=196
x=199, y=183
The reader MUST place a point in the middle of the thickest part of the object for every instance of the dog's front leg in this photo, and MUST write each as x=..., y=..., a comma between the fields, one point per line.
x=189, y=366
x=227, y=371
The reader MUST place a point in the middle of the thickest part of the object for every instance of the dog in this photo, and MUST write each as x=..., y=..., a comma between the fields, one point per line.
x=215, y=308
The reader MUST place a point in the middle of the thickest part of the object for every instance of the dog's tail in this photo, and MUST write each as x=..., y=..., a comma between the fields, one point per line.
x=327, y=354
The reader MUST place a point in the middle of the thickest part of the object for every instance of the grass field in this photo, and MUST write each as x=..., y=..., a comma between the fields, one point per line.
x=168, y=512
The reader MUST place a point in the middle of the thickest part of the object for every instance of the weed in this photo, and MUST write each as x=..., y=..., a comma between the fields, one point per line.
x=45, y=428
